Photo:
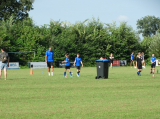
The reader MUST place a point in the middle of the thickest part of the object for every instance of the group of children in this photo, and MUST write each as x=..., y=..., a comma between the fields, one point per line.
x=132, y=60
x=77, y=63
x=49, y=59
x=140, y=61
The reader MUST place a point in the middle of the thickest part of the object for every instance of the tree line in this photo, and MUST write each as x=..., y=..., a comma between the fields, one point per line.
x=91, y=38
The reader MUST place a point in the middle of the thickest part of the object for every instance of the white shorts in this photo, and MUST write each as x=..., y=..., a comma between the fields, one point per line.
x=143, y=61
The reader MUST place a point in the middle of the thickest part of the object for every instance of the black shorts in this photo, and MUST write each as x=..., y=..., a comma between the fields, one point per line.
x=111, y=61
x=139, y=66
x=153, y=65
x=67, y=67
x=78, y=67
x=49, y=64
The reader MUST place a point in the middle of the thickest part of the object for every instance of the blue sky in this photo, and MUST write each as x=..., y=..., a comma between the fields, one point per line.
x=106, y=10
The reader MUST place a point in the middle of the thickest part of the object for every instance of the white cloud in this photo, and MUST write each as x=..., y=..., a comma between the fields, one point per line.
x=123, y=18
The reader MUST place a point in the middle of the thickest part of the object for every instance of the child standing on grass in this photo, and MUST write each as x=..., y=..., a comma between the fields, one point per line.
x=132, y=60
x=153, y=64
x=4, y=58
x=49, y=58
x=139, y=64
x=111, y=59
x=78, y=62
x=67, y=65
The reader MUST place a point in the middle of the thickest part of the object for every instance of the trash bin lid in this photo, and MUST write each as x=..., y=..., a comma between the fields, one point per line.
x=102, y=60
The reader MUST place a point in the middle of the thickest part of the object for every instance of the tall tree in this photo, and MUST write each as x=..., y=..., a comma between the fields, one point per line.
x=154, y=45
x=91, y=38
x=148, y=25
x=17, y=8
x=123, y=40
x=145, y=45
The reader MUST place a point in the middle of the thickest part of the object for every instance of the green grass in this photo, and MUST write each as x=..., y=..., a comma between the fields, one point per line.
x=123, y=96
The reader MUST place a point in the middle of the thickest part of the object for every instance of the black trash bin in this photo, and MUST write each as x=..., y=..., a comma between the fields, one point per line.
x=102, y=69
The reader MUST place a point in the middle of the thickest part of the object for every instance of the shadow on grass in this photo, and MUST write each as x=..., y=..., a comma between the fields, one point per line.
x=17, y=79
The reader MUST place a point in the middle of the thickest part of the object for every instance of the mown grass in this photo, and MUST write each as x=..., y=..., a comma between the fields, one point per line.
x=123, y=96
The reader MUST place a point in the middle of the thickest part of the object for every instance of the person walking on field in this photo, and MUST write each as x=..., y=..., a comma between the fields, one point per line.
x=132, y=60
x=4, y=59
x=68, y=65
x=49, y=58
x=139, y=64
x=78, y=62
x=111, y=59
x=153, y=64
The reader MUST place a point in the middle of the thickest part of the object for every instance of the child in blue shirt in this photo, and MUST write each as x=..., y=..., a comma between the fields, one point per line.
x=153, y=64
x=49, y=58
x=132, y=60
x=78, y=62
x=67, y=65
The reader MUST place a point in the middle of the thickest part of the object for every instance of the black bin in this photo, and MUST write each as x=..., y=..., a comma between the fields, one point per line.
x=102, y=69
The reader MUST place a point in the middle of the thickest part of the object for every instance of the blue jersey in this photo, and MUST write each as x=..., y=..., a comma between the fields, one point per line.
x=153, y=59
x=49, y=56
x=142, y=56
x=67, y=63
x=78, y=61
x=132, y=55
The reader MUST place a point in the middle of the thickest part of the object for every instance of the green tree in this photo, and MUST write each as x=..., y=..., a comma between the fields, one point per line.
x=154, y=46
x=24, y=36
x=91, y=38
x=123, y=40
x=18, y=8
x=148, y=25
x=145, y=44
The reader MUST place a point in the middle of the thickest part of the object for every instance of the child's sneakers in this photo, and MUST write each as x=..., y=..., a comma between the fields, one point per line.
x=71, y=73
x=51, y=73
x=138, y=73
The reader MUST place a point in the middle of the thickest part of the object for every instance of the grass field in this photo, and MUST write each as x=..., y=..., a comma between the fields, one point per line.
x=123, y=96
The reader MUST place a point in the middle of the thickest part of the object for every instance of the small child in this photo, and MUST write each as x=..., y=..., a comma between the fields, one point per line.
x=153, y=64
x=132, y=60
x=139, y=64
x=67, y=65
x=111, y=59
x=78, y=62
